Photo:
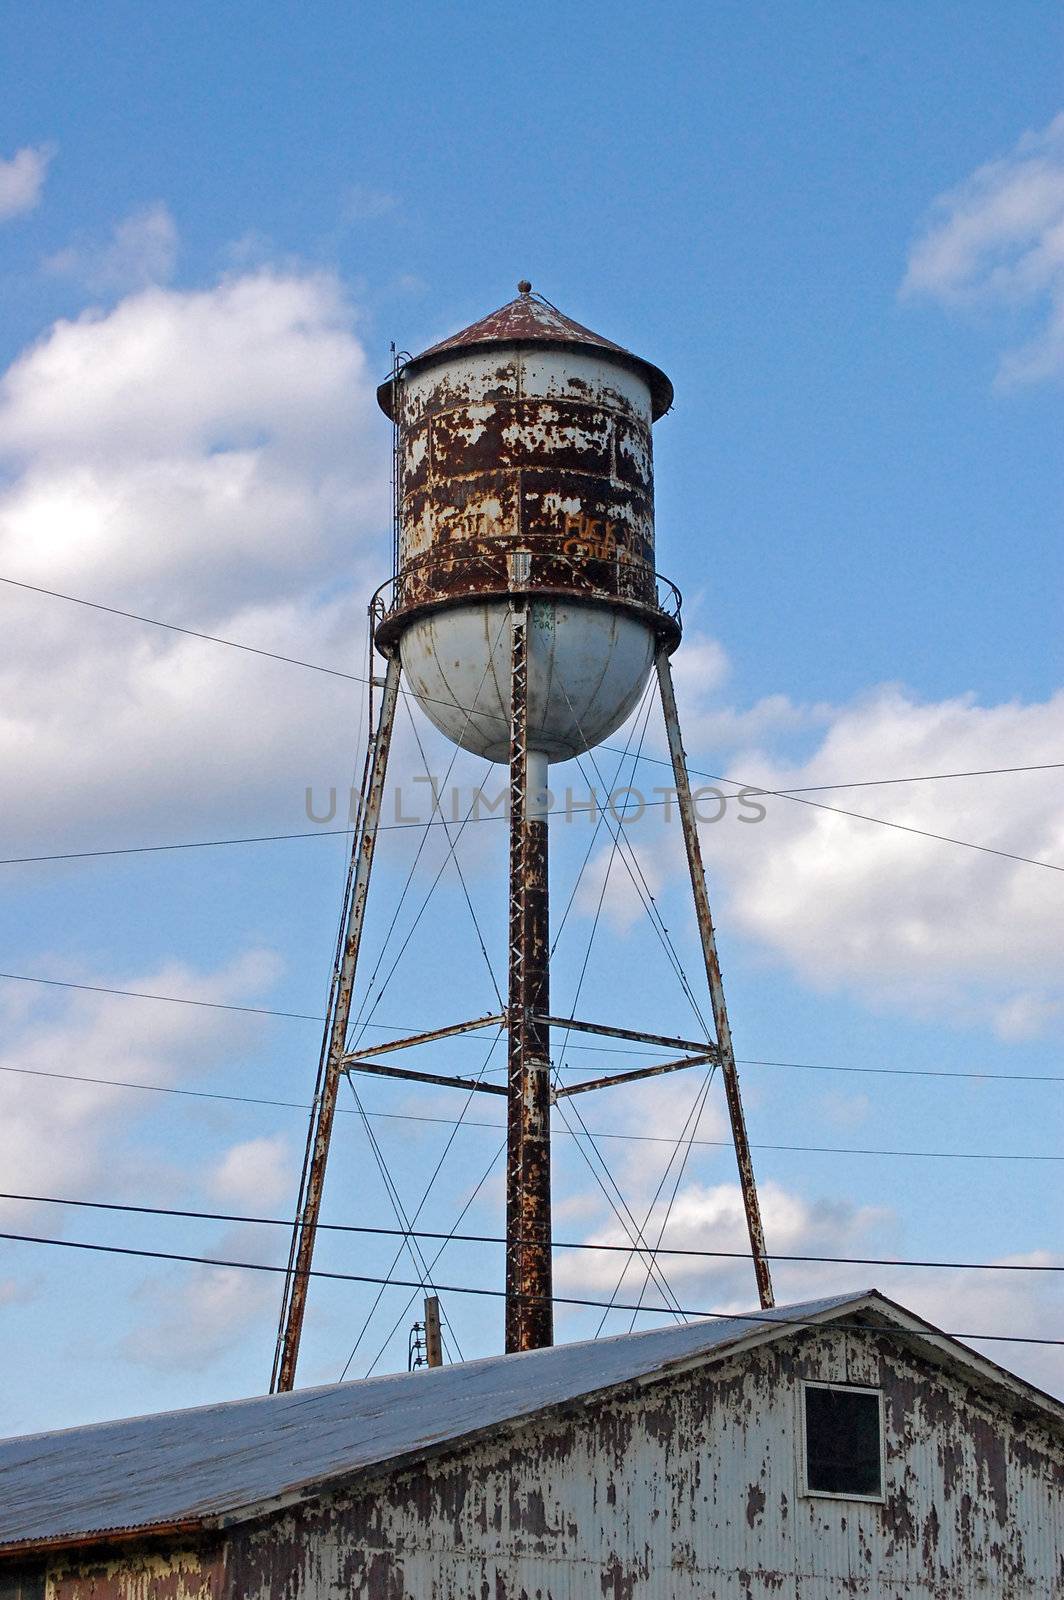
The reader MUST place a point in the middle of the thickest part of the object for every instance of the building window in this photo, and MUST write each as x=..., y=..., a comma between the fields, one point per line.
x=843, y=1440
x=22, y=1583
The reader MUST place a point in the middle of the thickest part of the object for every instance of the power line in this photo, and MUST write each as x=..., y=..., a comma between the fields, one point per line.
x=642, y=804
x=450, y=1122
x=306, y=1016
x=494, y=1294
x=784, y=794
x=167, y=999
x=922, y=777
x=491, y=1238
x=192, y=633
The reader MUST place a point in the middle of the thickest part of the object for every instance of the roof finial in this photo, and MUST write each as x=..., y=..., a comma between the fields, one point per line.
x=524, y=287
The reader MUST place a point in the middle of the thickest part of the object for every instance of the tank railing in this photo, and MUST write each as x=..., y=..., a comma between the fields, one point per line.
x=432, y=579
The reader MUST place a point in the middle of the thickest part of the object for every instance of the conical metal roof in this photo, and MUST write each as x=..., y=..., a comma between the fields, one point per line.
x=532, y=320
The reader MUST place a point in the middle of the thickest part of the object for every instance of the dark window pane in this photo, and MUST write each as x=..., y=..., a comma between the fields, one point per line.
x=842, y=1441
x=16, y=1584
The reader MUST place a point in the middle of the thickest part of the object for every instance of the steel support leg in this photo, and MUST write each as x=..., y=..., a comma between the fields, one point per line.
x=716, y=986
x=330, y=1065
x=529, y=1281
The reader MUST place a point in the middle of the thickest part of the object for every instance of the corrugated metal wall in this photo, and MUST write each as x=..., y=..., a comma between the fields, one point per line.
x=148, y=1575
x=691, y=1488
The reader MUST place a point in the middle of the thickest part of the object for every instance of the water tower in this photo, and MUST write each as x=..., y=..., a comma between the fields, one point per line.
x=526, y=615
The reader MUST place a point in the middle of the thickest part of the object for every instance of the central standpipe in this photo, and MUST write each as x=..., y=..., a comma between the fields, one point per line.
x=529, y=1277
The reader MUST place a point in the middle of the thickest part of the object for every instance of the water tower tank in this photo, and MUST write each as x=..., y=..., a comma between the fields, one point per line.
x=524, y=468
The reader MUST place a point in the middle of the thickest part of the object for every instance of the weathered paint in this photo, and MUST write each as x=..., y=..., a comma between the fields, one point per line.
x=188, y=1574
x=688, y=821
x=525, y=434
x=654, y=1464
x=330, y=1062
x=587, y=666
x=691, y=1488
x=519, y=449
x=529, y=1271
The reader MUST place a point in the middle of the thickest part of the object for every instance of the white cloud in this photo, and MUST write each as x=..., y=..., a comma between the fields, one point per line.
x=258, y=1172
x=213, y=457
x=81, y=1138
x=845, y=1110
x=1020, y=1304
x=998, y=239
x=195, y=1315
x=363, y=203
x=702, y=671
x=900, y=919
x=142, y=250
x=711, y=1217
x=616, y=882
x=22, y=179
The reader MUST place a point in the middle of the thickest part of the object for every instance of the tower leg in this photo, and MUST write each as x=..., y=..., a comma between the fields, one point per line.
x=329, y=1067
x=529, y=1280
x=716, y=986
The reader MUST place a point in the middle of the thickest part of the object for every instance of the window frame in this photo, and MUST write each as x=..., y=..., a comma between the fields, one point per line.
x=803, y=1443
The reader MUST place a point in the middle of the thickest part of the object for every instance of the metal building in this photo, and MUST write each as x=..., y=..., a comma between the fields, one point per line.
x=837, y=1448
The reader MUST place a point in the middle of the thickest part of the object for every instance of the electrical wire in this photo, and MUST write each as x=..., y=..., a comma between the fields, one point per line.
x=428, y=1188
x=458, y=865
x=619, y=1206
x=353, y=677
x=448, y=1239
x=635, y=871
x=453, y=1237
x=634, y=1138
x=595, y=1049
x=698, y=1110
x=494, y=1294
x=558, y=811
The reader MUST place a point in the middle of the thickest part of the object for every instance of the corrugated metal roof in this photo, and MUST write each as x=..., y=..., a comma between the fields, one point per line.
x=221, y=1461
x=531, y=320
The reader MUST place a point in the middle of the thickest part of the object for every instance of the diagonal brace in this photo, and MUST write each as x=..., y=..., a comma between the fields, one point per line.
x=428, y=1037
x=701, y=1047
x=423, y=1077
x=630, y=1077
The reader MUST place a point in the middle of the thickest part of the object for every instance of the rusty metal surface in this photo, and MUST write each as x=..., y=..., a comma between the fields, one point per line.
x=514, y=441
x=218, y=1460
x=630, y=1077
x=532, y=320
x=529, y=1322
x=575, y=1025
x=692, y=1489
x=294, y=1299
x=688, y=821
x=178, y=1574
x=437, y=1080
x=430, y=1036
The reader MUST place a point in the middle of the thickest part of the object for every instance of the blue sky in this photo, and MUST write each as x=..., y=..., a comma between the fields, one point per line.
x=838, y=229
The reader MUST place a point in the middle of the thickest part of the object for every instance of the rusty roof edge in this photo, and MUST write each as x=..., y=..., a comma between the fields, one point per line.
x=658, y=382
x=135, y=1533
x=580, y=340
